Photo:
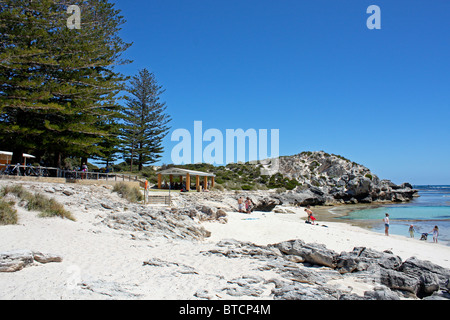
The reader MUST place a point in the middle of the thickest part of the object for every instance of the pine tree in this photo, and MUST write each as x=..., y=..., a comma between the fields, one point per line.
x=58, y=86
x=146, y=123
x=109, y=148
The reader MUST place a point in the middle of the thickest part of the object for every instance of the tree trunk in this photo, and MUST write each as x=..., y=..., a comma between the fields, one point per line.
x=131, y=159
x=17, y=155
x=58, y=160
x=140, y=158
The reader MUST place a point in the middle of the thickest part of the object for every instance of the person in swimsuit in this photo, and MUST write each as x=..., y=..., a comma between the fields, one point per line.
x=386, y=224
x=311, y=218
x=435, y=233
x=241, y=204
x=249, y=205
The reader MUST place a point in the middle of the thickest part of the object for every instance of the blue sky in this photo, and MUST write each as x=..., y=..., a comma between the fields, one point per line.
x=310, y=68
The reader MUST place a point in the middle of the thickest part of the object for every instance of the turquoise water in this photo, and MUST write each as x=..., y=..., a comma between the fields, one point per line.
x=431, y=209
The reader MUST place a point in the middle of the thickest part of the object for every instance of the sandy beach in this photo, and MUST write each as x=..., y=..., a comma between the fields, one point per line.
x=104, y=263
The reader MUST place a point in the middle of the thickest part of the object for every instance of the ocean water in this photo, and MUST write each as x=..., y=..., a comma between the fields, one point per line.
x=431, y=209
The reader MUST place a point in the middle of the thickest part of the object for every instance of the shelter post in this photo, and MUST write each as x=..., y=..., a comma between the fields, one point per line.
x=197, y=183
x=188, y=182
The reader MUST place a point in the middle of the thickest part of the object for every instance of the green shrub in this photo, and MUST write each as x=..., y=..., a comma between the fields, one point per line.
x=218, y=187
x=17, y=190
x=38, y=202
x=8, y=215
x=291, y=184
x=48, y=208
x=132, y=194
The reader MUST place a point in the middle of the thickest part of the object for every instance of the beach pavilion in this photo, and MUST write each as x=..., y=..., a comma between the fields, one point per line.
x=185, y=175
x=6, y=157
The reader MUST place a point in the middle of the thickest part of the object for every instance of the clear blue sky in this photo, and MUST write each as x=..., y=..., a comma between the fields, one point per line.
x=310, y=68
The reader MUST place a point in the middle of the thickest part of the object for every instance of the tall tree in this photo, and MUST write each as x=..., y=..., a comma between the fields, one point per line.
x=58, y=85
x=146, y=122
x=109, y=148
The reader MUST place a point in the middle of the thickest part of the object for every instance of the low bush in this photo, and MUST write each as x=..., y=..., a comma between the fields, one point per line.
x=38, y=202
x=48, y=207
x=132, y=194
x=8, y=215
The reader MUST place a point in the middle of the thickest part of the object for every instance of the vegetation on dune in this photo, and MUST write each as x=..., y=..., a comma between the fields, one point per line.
x=8, y=215
x=37, y=202
x=132, y=194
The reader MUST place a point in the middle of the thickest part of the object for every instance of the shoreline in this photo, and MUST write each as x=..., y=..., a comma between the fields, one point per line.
x=337, y=213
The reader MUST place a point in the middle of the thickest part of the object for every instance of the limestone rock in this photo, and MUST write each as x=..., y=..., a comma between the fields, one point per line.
x=13, y=261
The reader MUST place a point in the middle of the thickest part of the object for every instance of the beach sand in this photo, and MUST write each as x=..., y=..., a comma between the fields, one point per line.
x=102, y=263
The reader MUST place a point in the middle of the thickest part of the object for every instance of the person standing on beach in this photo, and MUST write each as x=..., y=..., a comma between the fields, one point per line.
x=241, y=204
x=435, y=233
x=411, y=231
x=249, y=205
x=84, y=169
x=386, y=224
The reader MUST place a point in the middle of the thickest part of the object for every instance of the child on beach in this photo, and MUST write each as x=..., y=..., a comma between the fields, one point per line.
x=386, y=224
x=241, y=204
x=411, y=231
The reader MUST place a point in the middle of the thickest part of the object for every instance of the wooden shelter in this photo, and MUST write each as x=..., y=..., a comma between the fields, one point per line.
x=185, y=176
x=27, y=156
x=5, y=157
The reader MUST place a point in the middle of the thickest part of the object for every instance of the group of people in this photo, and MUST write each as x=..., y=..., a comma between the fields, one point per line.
x=245, y=206
x=412, y=230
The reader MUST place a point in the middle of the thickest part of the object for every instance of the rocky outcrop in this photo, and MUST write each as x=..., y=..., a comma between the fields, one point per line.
x=331, y=179
x=308, y=270
x=13, y=261
x=149, y=222
x=221, y=202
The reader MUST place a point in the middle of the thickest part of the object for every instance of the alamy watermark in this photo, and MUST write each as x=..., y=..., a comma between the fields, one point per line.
x=374, y=21
x=236, y=146
x=74, y=278
x=74, y=21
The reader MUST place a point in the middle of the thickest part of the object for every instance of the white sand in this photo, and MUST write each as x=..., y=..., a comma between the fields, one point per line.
x=101, y=263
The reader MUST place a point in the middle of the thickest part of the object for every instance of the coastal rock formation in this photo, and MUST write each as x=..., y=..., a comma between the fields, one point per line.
x=13, y=261
x=331, y=179
x=175, y=223
x=308, y=270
